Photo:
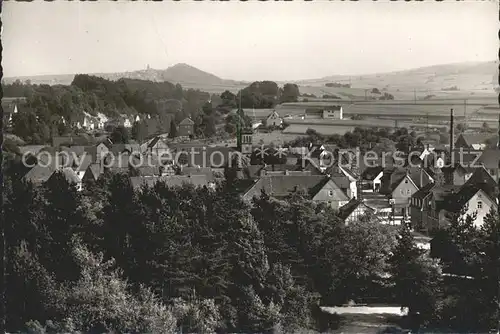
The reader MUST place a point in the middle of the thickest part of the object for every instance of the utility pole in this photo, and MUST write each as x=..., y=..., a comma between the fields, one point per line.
x=415, y=95
x=366, y=91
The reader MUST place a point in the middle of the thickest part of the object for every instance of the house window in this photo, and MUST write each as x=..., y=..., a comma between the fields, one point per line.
x=479, y=204
x=408, y=191
x=330, y=193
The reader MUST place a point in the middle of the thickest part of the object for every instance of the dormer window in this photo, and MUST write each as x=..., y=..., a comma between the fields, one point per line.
x=479, y=204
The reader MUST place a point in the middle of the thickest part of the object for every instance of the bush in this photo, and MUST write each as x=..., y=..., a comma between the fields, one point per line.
x=100, y=301
x=200, y=316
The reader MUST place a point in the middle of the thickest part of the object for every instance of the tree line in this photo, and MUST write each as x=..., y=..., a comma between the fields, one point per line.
x=52, y=110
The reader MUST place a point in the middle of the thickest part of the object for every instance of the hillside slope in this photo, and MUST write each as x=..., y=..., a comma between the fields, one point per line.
x=183, y=74
x=473, y=77
x=465, y=76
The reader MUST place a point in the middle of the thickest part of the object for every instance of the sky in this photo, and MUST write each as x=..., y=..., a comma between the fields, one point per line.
x=245, y=40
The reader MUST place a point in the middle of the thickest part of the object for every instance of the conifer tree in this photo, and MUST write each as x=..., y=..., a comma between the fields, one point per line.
x=416, y=278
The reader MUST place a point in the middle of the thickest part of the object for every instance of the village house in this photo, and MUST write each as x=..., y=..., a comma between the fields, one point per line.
x=433, y=205
x=99, y=151
x=39, y=174
x=333, y=112
x=186, y=128
x=457, y=175
x=476, y=141
x=156, y=146
x=345, y=177
x=400, y=184
x=71, y=177
x=321, y=189
x=92, y=173
x=375, y=177
x=274, y=119
x=489, y=160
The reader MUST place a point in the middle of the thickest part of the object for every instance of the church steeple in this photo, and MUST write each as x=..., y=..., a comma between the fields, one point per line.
x=244, y=135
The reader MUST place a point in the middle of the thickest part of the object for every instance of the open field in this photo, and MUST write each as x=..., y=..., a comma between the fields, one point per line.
x=484, y=108
x=300, y=129
x=470, y=76
x=276, y=137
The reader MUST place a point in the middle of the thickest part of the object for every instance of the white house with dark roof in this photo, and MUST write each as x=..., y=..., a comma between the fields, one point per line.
x=186, y=127
x=274, y=119
x=333, y=112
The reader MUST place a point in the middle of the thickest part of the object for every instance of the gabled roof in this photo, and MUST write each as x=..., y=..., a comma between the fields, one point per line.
x=463, y=196
x=69, y=174
x=424, y=191
x=480, y=175
x=482, y=179
x=477, y=138
x=33, y=149
x=274, y=112
x=39, y=174
x=489, y=158
x=94, y=170
x=346, y=210
x=284, y=185
x=186, y=121
x=419, y=176
x=83, y=162
x=157, y=141
x=370, y=173
x=78, y=150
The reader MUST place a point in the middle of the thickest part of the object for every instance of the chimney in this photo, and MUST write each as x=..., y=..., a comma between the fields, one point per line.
x=421, y=177
x=451, y=134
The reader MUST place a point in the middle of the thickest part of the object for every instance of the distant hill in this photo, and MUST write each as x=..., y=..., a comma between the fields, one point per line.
x=465, y=76
x=475, y=76
x=184, y=74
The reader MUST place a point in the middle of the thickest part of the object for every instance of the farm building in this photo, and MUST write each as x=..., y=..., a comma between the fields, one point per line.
x=334, y=112
x=274, y=119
